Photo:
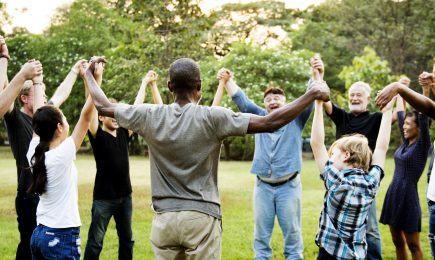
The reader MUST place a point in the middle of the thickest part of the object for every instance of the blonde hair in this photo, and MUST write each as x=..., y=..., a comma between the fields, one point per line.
x=364, y=85
x=357, y=146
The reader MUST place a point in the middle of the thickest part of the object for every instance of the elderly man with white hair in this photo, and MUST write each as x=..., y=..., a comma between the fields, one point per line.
x=358, y=120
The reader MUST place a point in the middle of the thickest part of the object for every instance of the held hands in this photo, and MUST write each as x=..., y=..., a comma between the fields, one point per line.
x=31, y=70
x=389, y=105
x=405, y=81
x=387, y=94
x=4, y=52
x=322, y=91
x=99, y=69
x=426, y=79
x=150, y=78
x=78, y=67
x=93, y=61
x=317, y=67
x=224, y=75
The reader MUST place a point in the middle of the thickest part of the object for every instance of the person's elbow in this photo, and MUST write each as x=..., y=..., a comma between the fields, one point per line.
x=105, y=109
x=261, y=124
x=315, y=144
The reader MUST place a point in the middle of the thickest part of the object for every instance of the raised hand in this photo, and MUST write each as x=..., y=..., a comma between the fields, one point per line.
x=317, y=67
x=390, y=104
x=31, y=69
x=4, y=52
x=426, y=79
x=94, y=60
x=99, y=69
x=78, y=67
x=322, y=91
x=405, y=81
x=224, y=75
x=387, y=94
x=150, y=77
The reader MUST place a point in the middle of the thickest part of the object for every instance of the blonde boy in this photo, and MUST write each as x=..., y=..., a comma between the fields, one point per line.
x=351, y=176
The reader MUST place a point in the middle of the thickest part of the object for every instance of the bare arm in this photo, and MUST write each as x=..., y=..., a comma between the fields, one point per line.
x=223, y=76
x=416, y=100
x=98, y=75
x=285, y=114
x=317, y=73
x=7, y=97
x=219, y=93
x=318, y=137
x=83, y=124
x=151, y=80
x=383, y=140
x=64, y=89
x=231, y=87
x=140, y=97
x=4, y=54
x=102, y=103
x=327, y=106
x=156, y=94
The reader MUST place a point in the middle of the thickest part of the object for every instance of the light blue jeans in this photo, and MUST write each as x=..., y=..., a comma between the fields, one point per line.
x=283, y=201
x=373, y=237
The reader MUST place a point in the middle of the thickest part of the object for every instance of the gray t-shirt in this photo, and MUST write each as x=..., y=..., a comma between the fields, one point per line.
x=184, y=145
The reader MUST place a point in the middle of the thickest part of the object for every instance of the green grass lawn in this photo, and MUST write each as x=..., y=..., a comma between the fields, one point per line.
x=236, y=186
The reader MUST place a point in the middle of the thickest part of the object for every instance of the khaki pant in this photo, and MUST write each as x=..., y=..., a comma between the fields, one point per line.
x=186, y=235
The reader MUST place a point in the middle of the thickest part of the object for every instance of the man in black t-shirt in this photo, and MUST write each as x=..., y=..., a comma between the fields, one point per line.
x=19, y=127
x=112, y=190
x=358, y=120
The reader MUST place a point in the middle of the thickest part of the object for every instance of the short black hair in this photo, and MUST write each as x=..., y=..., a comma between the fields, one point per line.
x=184, y=73
x=414, y=115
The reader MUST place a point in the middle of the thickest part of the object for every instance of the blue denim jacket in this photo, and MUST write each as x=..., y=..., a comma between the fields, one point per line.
x=279, y=153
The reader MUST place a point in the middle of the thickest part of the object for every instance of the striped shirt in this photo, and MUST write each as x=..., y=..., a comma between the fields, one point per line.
x=342, y=223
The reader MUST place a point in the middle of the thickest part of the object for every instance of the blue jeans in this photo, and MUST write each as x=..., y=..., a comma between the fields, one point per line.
x=55, y=243
x=431, y=234
x=102, y=212
x=373, y=237
x=283, y=201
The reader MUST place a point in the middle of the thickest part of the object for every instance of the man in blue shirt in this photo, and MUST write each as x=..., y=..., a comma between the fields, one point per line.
x=277, y=164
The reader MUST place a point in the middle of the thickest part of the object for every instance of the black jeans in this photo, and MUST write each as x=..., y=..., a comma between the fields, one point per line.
x=25, y=205
x=323, y=255
x=102, y=212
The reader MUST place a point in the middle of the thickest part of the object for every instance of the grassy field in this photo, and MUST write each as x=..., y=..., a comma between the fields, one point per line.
x=236, y=186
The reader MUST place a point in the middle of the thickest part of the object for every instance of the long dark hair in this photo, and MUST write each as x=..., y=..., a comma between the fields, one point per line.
x=44, y=124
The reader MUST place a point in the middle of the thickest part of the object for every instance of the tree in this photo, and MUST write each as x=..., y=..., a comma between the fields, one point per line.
x=369, y=68
x=401, y=32
x=264, y=23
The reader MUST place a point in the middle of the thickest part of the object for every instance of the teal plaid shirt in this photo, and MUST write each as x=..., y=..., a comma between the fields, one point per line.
x=342, y=223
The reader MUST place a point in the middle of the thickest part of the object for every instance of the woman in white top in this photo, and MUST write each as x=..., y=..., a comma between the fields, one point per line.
x=51, y=155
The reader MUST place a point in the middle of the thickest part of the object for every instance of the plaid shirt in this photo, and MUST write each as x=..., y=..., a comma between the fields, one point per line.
x=342, y=223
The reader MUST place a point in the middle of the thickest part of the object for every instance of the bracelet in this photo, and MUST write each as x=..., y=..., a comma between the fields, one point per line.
x=75, y=72
x=37, y=83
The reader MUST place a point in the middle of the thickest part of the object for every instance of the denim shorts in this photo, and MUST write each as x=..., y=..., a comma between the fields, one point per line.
x=55, y=243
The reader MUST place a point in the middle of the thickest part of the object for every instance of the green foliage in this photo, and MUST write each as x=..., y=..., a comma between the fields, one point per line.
x=401, y=32
x=262, y=42
x=369, y=68
x=263, y=22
